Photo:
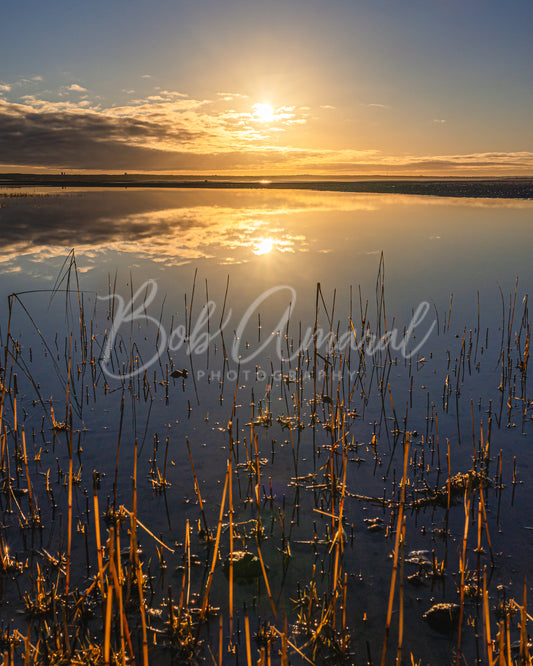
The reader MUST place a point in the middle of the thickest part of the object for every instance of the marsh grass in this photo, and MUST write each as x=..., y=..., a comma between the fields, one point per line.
x=82, y=589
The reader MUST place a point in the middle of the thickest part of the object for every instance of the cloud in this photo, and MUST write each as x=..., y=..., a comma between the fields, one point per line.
x=5, y=87
x=439, y=121
x=76, y=138
x=228, y=96
x=170, y=131
x=76, y=88
x=30, y=79
x=146, y=76
x=375, y=105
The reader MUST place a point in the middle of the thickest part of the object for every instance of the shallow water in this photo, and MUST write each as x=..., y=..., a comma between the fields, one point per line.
x=240, y=270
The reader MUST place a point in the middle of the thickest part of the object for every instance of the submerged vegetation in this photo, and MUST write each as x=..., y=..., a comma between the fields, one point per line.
x=296, y=537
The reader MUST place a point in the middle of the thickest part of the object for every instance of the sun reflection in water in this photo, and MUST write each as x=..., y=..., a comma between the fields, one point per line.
x=263, y=246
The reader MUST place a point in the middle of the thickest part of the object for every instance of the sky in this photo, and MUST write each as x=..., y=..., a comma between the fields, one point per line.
x=247, y=87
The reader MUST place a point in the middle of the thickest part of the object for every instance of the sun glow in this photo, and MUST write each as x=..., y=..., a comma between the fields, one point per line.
x=263, y=112
x=263, y=246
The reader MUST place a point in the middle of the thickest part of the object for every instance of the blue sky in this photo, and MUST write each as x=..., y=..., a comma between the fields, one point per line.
x=267, y=87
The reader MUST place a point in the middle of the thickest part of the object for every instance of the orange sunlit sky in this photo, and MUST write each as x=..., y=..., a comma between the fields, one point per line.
x=345, y=87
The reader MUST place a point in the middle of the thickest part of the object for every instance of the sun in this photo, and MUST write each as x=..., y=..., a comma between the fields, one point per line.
x=263, y=246
x=263, y=112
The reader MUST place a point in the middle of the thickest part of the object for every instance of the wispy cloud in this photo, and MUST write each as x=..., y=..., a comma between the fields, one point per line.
x=10, y=87
x=229, y=96
x=29, y=79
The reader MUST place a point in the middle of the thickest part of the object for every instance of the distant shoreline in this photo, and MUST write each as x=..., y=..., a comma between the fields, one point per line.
x=499, y=188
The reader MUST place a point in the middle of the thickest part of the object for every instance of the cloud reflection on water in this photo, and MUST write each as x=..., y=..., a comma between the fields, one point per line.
x=177, y=227
x=168, y=227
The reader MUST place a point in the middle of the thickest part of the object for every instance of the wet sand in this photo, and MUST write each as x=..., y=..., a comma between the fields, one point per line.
x=501, y=188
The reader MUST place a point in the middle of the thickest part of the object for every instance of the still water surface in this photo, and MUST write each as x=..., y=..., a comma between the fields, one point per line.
x=240, y=270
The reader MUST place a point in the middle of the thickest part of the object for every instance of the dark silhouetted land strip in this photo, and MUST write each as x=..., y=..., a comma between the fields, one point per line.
x=500, y=188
